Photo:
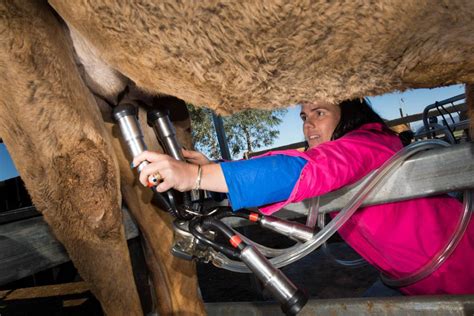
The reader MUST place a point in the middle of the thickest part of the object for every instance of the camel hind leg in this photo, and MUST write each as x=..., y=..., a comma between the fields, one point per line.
x=175, y=280
x=56, y=137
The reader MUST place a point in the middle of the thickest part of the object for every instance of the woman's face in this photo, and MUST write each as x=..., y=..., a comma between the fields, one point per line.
x=319, y=121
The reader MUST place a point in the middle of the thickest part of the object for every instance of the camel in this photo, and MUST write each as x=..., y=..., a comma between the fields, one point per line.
x=60, y=60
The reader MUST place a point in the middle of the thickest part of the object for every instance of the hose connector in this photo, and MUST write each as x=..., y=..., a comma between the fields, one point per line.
x=126, y=117
x=297, y=231
x=291, y=298
x=159, y=120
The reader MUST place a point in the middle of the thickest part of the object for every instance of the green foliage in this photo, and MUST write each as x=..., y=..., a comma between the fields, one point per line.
x=245, y=131
x=203, y=132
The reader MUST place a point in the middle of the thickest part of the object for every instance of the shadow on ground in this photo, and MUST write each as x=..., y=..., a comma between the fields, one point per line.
x=317, y=274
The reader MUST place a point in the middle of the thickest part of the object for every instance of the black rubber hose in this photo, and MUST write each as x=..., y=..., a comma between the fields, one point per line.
x=223, y=228
x=228, y=251
x=226, y=211
x=187, y=204
x=163, y=203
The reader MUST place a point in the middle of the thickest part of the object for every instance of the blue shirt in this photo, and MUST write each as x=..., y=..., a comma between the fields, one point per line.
x=261, y=181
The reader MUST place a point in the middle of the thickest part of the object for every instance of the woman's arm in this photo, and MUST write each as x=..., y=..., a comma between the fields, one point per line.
x=195, y=157
x=287, y=176
x=249, y=183
x=213, y=178
x=338, y=163
x=179, y=175
x=262, y=180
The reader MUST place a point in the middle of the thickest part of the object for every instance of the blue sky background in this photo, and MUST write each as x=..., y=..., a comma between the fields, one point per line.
x=386, y=105
x=7, y=168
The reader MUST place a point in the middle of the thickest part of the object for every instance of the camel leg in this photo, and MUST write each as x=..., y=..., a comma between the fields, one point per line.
x=56, y=137
x=174, y=280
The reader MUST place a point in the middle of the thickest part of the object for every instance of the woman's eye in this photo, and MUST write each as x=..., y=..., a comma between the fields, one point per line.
x=320, y=113
x=303, y=117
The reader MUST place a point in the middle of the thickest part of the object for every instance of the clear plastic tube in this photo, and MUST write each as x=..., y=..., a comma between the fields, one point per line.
x=321, y=219
x=442, y=254
x=266, y=251
x=327, y=251
x=313, y=212
x=314, y=216
x=376, y=178
x=345, y=263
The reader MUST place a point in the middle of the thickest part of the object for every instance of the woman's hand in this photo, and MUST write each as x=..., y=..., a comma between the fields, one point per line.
x=173, y=173
x=195, y=157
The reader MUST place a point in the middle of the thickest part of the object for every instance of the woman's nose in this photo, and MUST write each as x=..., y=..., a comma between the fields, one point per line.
x=309, y=123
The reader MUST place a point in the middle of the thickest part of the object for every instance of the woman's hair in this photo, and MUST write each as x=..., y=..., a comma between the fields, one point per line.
x=354, y=114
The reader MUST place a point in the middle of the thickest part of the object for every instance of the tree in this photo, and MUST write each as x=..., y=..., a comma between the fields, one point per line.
x=245, y=131
x=203, y=132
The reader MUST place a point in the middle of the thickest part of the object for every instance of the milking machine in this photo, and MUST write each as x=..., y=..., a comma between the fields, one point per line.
x=197, y=230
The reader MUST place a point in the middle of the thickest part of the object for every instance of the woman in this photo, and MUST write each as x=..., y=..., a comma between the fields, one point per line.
x=346, y=141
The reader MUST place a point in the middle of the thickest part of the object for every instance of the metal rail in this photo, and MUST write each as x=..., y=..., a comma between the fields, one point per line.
x=454, y=127
x=221, y=138
x=28, y=246
x=18, y=214
x=433, y=172
x=419, y=116
x=436, y=105
x=397, y=306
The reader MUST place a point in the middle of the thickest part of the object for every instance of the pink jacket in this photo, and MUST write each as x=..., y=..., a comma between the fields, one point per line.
x=397, y=238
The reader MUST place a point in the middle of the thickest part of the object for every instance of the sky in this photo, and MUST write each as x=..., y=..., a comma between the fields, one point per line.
x=412, y=102
x=7, y=168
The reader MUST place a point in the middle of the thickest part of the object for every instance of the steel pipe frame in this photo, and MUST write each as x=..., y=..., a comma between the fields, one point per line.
x=389, y=306
x=28, y=246
x=432, y=172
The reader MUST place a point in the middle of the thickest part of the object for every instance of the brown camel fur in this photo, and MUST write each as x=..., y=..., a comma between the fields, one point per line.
x=70, y=169
x=174, y=280
x=263, y=54
x=225, y=55
x=52, y=126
